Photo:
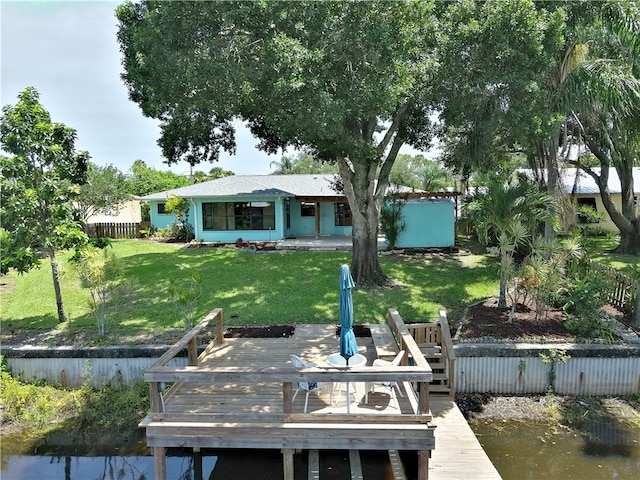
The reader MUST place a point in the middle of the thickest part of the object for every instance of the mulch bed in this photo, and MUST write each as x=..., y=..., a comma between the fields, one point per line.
x=274, y=331
x=280, y=331
x=486, y=320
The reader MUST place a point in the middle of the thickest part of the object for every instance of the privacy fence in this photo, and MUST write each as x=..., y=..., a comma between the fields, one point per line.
x=117, y=230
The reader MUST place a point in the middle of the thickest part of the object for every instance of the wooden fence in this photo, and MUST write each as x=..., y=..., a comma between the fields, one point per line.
x=622, y=290
x=116, y=230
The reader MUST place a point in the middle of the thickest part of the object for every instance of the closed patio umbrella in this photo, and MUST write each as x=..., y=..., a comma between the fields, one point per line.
x=348, y=345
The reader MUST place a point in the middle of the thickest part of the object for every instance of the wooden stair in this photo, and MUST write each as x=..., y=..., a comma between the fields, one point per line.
x=434, y=340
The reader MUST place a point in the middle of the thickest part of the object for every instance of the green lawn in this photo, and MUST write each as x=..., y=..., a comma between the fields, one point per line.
x=251, y=288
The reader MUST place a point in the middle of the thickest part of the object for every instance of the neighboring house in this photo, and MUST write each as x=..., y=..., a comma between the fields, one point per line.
x=128, y=212
x=583, y=190
x=261, y=208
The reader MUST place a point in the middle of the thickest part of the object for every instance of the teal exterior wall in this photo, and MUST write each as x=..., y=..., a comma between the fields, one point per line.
x=163, y=220
x=225, y=236
x=430, y=223
x=298, y=224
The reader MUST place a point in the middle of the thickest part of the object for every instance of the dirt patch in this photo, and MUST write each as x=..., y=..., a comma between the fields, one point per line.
x=275, y=331
x=567, y=409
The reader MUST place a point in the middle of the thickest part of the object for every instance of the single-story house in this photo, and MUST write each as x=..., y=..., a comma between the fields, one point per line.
x=128, y=212
x=260, y=208
x=583, y=190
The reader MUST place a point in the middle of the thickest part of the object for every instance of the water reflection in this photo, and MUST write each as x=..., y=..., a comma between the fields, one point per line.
x=70, y=458
x=28, y=467
x=519, y=451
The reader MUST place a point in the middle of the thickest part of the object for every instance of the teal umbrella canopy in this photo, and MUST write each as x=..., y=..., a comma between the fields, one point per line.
x=348, y=345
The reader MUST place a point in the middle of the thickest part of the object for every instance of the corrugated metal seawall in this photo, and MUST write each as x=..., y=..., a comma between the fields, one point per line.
x=519, y=375
x=74, y=372
x=519, y=369
x=75, y=367
x=498, y=368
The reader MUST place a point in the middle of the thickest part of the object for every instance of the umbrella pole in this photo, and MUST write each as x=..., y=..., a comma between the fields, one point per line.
x=348, y=392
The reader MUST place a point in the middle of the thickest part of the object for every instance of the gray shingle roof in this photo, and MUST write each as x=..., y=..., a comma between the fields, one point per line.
x=315, y=185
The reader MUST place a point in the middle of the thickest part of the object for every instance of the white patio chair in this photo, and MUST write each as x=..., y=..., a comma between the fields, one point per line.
x=392, y=386
x=308, y=387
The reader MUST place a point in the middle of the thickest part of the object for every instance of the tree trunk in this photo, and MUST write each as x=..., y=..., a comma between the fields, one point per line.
x=502, y=297
x=626, y=221
x=630, y=239
x=359, y=182
x=365, y=267
x=55, y=271
x=551, y=164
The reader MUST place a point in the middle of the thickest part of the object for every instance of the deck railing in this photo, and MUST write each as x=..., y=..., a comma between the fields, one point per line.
x=284, y=428
x=161, y=372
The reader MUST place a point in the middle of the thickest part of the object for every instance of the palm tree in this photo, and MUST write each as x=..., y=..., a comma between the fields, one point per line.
x=507, y=217
x=283, y=167
x=605, y=93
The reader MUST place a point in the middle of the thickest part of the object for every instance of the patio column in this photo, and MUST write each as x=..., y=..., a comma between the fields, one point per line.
x=317, y=211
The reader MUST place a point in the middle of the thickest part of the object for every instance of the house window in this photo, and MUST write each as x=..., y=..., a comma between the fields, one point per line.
x=239, y=216
x=587, y=202
x=307, y=209
x=342, y=215
x=161, y=208
x=587, y=210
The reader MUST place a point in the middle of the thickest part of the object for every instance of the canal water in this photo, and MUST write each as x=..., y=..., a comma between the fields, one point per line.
x=598, y=451
x=520, y=451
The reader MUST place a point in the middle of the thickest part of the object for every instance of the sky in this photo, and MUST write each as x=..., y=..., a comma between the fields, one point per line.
x=68, y=51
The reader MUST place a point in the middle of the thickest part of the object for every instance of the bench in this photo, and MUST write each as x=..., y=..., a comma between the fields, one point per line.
x=384, y=341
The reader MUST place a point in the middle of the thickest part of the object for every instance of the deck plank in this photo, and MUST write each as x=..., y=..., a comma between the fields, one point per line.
x=458, y=454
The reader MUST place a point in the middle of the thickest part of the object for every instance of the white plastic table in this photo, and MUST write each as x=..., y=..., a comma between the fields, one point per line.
x=337, y=360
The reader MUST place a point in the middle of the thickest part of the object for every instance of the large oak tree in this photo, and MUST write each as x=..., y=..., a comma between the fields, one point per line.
x=350, y=81
x=605, y=95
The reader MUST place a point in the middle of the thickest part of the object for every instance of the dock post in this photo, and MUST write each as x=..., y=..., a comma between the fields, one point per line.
x=287, y=459
x=219, y=329
x=159, y=463
x=423, y=464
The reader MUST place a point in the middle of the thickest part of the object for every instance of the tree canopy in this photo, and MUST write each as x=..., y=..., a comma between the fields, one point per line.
x=301, y=163
x=144, y=179
x=349, y=81
x=105, y=190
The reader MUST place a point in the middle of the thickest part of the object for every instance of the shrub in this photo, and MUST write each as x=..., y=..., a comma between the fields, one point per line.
x=584, y=301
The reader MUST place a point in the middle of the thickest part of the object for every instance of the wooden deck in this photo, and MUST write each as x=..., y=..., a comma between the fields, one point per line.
x=458, y=454
x=238, y=394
